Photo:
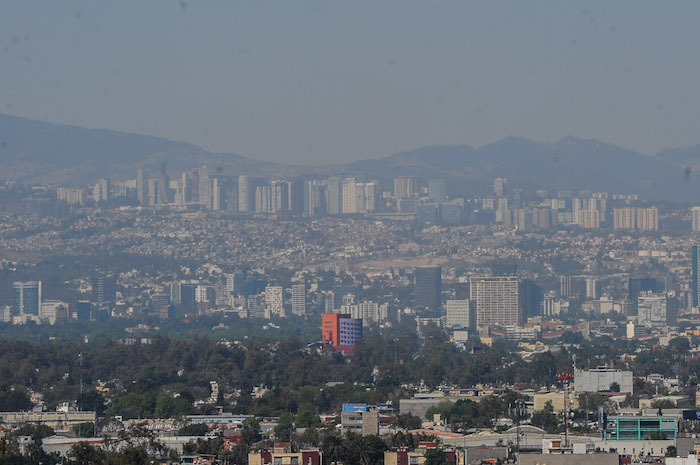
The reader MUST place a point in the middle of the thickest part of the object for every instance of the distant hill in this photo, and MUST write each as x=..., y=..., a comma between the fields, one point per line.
x=38, y=152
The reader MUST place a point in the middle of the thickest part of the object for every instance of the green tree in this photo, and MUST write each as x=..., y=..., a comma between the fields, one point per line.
x=304, y=419
x=85, y=430
x=251, y=432
x=284, y=428
x=671, y=451
x=194, y=429
x=334, y=449
x=436, y=457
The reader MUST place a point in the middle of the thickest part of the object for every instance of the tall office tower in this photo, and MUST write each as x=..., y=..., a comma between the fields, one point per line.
x=638, y=285
x=335, y=195
x=204, y=188
x=648, y=219
x=299, y=299
x=263, y=199
x=576, y=211
x=141, y=193
x=279, y=196
x=83, y=310
x=428, y=287
x=530, y=298
x=565, y=286
x=104, y=288
x=360, y=198
x=329, y=302
x=313, y=198
x=497, y=300
x=591, y=288
x=405, y=187
x=243, y=194
x=371, y=191
x=296, y=196
x=230, y=284
x=152, y=192
x=349, y=196
x=274, y=302
x=457, y=313
x=696, y=218
x=27, y=298
x=215, y=194
x=437, y=189
x=696, y=276
x=163, y=182
x=500, y=187
x=185, y=188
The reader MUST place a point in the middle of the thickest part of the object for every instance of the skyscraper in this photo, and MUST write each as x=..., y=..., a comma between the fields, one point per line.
x=349, y=196
x=274, y=303
x=497, y=300
x=27, y=298
x=457, y=313
x=335, y=196
x=141, y=186
x=243, y=194
x=696, y=218
x=204, y=188
x=104, y=288
x=428, y=287
x=437, y=190
x=405, y=187
x=299, y=299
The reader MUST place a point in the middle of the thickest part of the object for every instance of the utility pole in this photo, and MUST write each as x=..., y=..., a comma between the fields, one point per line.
x=565, y=378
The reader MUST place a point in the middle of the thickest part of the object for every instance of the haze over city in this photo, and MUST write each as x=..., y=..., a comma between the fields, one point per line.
x=319, y=82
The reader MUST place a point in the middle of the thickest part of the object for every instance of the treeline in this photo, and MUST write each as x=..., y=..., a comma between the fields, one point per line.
x=166, y=377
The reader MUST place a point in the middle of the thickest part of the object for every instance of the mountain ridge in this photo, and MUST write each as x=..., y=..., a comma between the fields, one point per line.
x=35, y=152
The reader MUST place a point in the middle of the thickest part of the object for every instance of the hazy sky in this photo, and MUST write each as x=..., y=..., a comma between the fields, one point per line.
x=330, y=81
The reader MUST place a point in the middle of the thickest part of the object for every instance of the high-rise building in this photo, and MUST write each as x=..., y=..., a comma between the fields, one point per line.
x=636, y=286
x=27, y=298
x=100, y=190
x=299, y=299
x=104, y=288
x=83, y=310
x=335, y=195
x=589, y=219
x=458, y=313
x=152, y=192
x=657, y=309
x=141, y=186
x=643, y=219
x=497, y=300
x=274, y=301
x=349, y=195
x=696, y=218
x=500, y=187
x=243, y=194
x=648, y=219
x=406, y=187
x=437, y=190
x=591, y=288
x=531, y=298
x=163, y=182
x=428, y=287
x=565, y=286
x=204, y=188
